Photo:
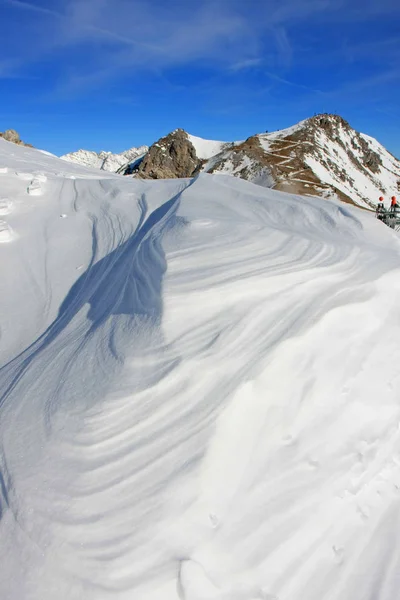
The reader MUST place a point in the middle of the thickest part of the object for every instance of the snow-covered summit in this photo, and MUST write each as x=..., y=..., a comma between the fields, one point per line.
x=106, y=161
x=322, y=155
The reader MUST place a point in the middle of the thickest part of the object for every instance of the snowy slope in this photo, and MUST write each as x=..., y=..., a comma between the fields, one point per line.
x=207, y=148
x=349, y=175
x=198, y=395
x=107, y=161
x=279, y=134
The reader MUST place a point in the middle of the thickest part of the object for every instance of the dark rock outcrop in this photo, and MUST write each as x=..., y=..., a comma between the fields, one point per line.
x=173, y=156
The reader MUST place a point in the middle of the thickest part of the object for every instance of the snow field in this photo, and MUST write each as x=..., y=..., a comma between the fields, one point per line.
x=6, y=233
x=199, y=397
x=361, y=185
x=6, y=206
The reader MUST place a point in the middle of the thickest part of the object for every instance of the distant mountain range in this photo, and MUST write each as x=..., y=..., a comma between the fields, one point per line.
x=106, y=161
x=322, y=156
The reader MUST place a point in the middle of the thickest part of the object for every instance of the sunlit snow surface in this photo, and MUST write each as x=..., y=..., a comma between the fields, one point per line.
x=200, y=391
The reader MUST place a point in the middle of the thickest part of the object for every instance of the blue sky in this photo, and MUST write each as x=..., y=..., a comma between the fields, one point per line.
x=112, y=74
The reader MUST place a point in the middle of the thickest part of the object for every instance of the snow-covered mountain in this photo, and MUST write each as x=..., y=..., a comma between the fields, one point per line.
x=319, y=156
x=199, y=389
x=106, y=161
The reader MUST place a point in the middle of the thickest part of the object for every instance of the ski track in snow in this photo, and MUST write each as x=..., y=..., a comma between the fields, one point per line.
x=199, y=397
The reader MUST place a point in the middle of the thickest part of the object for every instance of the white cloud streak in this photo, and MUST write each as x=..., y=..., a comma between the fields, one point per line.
x=98, y=40
x=32, y=7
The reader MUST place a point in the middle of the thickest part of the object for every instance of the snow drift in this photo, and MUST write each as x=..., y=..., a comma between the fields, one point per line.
x=198, y=395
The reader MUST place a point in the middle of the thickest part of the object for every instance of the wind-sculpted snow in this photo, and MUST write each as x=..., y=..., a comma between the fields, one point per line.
x=199, y=392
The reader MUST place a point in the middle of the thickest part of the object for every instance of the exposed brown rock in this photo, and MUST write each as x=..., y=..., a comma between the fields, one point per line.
x=10, y=135
x=247, y=160
x=171, y=157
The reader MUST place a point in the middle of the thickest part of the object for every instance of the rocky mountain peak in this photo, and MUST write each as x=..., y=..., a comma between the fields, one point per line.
x=322, y=155
x=329, y=122
x=172, y=156
x=334, y=126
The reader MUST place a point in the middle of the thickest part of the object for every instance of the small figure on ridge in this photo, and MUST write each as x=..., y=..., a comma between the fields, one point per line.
x=381, y=210
x=394, y=213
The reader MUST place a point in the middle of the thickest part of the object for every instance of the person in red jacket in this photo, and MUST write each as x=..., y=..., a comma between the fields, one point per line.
x=394, y=213
x=380, y=210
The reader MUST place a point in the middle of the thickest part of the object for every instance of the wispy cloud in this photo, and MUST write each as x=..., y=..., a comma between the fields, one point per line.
x=32, y=7
x=97, y=41
x=284, y=47
x=137, y=35
x=392, y=114
x=294, y=84
x=371, y=84
x=248, y=63
x=130, y=36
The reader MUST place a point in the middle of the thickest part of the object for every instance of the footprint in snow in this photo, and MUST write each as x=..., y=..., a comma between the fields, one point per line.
x=214, y=520
x=6, y=233
x=34, y=188
x=338, y=553
x=313, y=462
x=5, y=206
